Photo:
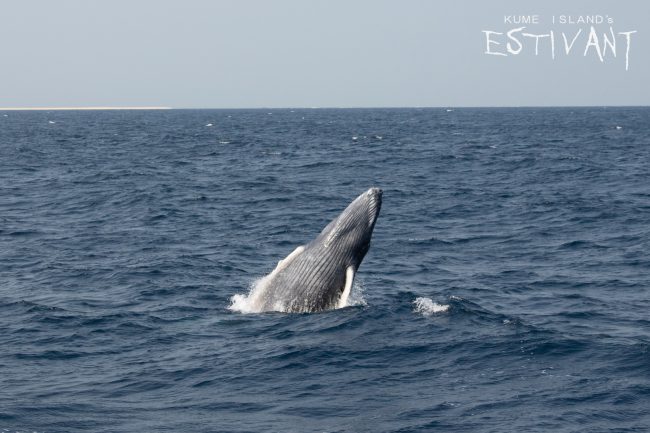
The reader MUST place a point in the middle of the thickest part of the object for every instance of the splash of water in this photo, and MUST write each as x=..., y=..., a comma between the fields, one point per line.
x=249, y=303
x=427, y=307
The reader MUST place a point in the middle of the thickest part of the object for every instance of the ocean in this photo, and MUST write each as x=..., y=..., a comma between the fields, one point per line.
x=507, y=287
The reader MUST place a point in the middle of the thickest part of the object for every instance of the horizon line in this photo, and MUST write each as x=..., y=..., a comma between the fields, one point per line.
x=72, y=108
x=363, y=107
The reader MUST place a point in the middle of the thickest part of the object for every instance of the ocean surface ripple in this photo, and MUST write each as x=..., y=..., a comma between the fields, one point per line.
x=507, y=287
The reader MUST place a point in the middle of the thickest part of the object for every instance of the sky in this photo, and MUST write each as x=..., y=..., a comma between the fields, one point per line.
x=316, y=53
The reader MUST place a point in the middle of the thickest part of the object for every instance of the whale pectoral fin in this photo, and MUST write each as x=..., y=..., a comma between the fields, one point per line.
x=285, y=262
x=349, y=279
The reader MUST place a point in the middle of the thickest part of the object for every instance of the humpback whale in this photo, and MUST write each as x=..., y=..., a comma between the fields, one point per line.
x=319, y=275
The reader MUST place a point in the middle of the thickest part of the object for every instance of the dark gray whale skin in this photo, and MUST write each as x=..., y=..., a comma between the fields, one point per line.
x=318, y=276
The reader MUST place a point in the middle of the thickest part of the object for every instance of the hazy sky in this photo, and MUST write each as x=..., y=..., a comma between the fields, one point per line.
x=304, y=53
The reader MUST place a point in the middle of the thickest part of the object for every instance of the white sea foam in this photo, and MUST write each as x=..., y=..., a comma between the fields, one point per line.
x=241, y=304
x=248, y=303
x=427, y=307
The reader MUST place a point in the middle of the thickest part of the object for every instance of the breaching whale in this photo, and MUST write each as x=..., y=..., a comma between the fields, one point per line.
x=319, y=275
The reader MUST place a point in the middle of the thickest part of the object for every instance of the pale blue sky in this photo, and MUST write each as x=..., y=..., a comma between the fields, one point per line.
x=305, y=53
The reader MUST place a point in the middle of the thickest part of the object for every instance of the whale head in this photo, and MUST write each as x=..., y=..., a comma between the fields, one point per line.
x=319, y=275
x=350, y=233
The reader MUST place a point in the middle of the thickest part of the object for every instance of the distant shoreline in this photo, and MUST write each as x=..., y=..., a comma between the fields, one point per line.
x=79, y=108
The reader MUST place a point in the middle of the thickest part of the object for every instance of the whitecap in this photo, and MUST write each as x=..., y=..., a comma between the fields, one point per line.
x=427, y=307
x=209, y=124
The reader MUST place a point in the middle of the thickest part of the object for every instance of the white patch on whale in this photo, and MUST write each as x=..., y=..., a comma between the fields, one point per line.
x=349, y=279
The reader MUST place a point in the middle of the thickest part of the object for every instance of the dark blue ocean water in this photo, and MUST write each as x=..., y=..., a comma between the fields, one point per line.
x=124, y=235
